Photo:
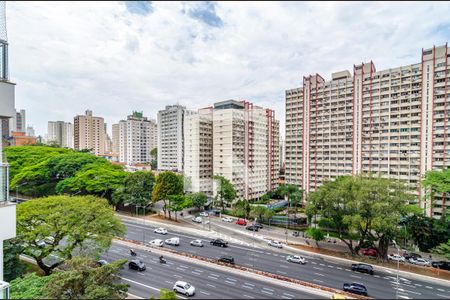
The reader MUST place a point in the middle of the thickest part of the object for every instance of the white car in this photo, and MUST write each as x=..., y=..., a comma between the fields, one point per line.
x=197, y=219
x=396, y=257
x=296, y=259
x=204, y=214
x=419, y=261
x=276, y=244
x=197, y=243
x=157, y=243
x=227, y=219
x=173, y=241
x=184, y=288
x=160, y=230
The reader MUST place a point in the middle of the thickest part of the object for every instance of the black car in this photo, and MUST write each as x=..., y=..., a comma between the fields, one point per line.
x=102, y=262
x=407, y=256
x=252, y=227
x=355, y=288
x=443, y=265
x=136, y=265
x=364, y=268
x=226, y=259
x=259, y=225
x=219, y=242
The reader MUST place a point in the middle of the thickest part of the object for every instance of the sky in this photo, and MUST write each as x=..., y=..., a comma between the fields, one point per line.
x=117, y=57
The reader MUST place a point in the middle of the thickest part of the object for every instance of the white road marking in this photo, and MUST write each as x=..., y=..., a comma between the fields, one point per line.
x=354, y=276
x=213, y=286
x=212, y=277
x=322, y=265
x=429, y=287
x=281, y=272
x=205, y=293
x=321, y=269
x=339, y=268
x=416, y=284
x=283, y=266
x=377, y=276
x=230, y=282
x=196, y=273
x=317, y=280
x=180, y=269
x=197, y=270
x=249, y=265
x=441, y=290
x=142, y=274
x=318, y=274
x=169, y=282
x=289, y=295
x=348, y=270
x=266, y=292
x=147, y=286
x=407, y=291
x=212, y=274
x=267, y=289
x=442, y=296
x=246, y=283
x=177, y=276
x=404, y=297
x=248, y=296
x=247, y=287
x=330, y=266
x=313, y=262
x=231, y=279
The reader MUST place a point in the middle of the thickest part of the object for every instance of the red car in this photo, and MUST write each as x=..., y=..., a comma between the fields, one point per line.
x=369, y=252
x=241, y=222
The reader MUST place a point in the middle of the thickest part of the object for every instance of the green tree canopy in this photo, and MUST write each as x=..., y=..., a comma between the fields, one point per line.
x=443, y=249
x=29, y=287
x=198, y=199
x=12, y=265
x=137, y=189
x=258, y=211
x=167, y=294
x=178, y=202
x=241, y=209
x=225, y=191
x=65, y=224
x=167, y=184
x=316, y=234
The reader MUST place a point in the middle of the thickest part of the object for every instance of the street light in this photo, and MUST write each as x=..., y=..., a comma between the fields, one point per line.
x=398, y=267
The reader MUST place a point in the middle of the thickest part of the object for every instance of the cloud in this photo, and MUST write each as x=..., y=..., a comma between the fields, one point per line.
x=69, y=57
x=139, y=7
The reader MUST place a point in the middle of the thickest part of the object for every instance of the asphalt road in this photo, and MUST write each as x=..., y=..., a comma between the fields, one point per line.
x=316, y=270
x=209, y=283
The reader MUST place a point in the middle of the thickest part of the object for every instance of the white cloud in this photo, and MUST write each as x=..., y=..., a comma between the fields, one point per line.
x=67, y=57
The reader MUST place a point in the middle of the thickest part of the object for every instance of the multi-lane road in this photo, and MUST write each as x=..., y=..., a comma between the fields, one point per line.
x=317, y=270
x=209, y=283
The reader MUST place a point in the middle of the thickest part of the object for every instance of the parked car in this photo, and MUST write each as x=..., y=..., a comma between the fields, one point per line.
x=296, y=234
x=259, y=225
x=219, y=242
x=197, y=219
x=156, y=242
x=252, y=228
x=355, y=288
x=136, y=264
x=241, y=222
x=204, y=214
x=276, y=244
x=227, y=219
x=296, y=259
x=175, y=241
x=226, y=259
x=184, y=288
x=160, y=230
x=408, y=255
x=369, y=252
x=363, y=268
x=396, y=257
x=443, y=265
x=197, y=243
x=419, y=261
x=102, y=262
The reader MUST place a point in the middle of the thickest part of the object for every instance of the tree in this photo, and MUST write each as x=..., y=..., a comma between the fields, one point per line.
x=82, y=278
x=167, y=294
x=13, y=267
x=137, y=189
x=242, y=209
x=167, y=184
x=178, y=202
x=427, y=232
x=268, y=214
x=258, y=211
x=198, y=199
x=80, y=221
x=29, y=287
x=443, y=249
x=316, y=234
x=154, y=162
x=225, y=191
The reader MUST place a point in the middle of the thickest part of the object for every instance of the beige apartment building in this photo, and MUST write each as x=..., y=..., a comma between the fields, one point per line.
x=392, y=122
x=60, y=132
x=115, y=141
x=234, y=139
x=89, y=133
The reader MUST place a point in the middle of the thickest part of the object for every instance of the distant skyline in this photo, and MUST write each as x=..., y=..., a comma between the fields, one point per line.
x=115, y=57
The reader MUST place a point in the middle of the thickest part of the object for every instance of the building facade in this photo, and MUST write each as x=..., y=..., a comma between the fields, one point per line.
x=89, y=133
x=115, y=141
x=391, y=122
x=61, y=133
x=137, y=137
x=170, y=137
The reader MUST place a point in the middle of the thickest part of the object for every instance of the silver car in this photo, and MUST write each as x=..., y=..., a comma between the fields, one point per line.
x=197, y=243
x=296, y=259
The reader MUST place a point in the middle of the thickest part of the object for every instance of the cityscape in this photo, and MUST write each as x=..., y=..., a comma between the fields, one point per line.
x=224, y=150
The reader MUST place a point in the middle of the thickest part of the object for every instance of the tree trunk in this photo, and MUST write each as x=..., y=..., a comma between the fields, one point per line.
x=383, y=246
x=47, y=270
x=164, y=208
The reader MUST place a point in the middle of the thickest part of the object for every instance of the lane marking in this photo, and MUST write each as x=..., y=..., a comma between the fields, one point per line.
x=246, y=283
x=441, y=290
x=177, y=276
x=321, y=269
x=230, y=282
x=267, y=289
x=196, y=273
x=281, y=272
x=377, y=276
x=205, y=293
x=317, y=280
x=231, y=279
x=169, y=282
x=289, y=295
x=314, y=263
x=147, y=286
x=212, y=277
x=429, y=287
x=213, y=286
x=248, y=296
x=197, y=270
x=354, y=276
x=318, y=274
x=348, y=270
x=247, y=287
x=441, y=296
x=283, y=266
x=330, y=266
x=266, y=292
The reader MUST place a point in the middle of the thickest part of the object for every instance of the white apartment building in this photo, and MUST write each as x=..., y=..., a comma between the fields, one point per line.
x=115, y=141
x=170, y=137
x=391, y=122
x=236, y=140
x=89, y=133
x=60, y=132
x=198, y=151
x=137, y=137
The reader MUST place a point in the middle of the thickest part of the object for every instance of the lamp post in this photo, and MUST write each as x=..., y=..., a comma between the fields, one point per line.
x=398, y=267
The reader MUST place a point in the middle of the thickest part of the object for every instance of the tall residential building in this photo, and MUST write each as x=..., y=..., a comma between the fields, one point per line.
x=282, y=153
x=89, y=133
x=61, y=133
x=236, y=140
x=30, y=131
x=115, y=138
x=18, y=122
x=137, y=137
x=391, y=122
x=170, y=137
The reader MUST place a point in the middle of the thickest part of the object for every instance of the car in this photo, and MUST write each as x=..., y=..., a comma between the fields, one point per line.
x=443, y=265
x=219, y=242
x=355, y=288
x=197, y=219
x=363, y=268
x=242, y=222
x=173, y=241
x=102, y=262
x=258, y=225
x=419, y=261
x=197, y=243
x=396, y=257
x=296, y=234
x=184, y=288
x=204, y=214
x=156, y=242
x=136, y=264
x=408, y=255
x=276, y=244
x=227, y=219
x=369, y=252
x=226, y=259
x=160, y=230
x=252, y=228
x=296, y=259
